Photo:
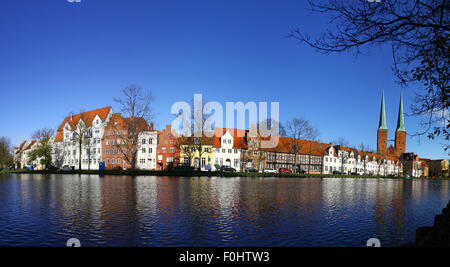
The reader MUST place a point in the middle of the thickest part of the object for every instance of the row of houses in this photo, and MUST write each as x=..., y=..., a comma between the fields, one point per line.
x=101, y=137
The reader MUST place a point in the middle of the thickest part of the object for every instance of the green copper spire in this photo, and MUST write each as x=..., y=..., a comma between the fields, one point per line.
x=401, y=120
x=382, y=124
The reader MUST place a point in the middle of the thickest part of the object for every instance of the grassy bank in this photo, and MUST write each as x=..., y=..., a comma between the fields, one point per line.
x=201, y=173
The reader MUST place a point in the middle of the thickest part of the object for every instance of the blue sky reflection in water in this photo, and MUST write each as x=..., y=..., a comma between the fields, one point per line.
x=46, y=210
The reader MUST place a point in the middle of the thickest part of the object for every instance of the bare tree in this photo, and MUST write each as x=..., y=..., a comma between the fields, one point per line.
x=136, y=104
x=364, y=150
x=6, y=158
x=298, y=130
x=418, y=33
x=314, y=137
x=341, y=141
x=43, y=135
x=80, y=134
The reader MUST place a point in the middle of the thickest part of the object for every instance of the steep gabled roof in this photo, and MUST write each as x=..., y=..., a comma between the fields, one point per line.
x=237, y=134
x=87, y=117
x=30, y=145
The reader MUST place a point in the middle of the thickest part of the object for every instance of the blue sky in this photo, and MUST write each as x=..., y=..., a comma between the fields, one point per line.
x=58, y=57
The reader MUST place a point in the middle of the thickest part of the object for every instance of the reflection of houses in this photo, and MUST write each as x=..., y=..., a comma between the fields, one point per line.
x=228, y=147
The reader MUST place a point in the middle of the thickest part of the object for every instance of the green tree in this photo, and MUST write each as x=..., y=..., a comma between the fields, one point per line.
x=44, y=149
x=42, y=152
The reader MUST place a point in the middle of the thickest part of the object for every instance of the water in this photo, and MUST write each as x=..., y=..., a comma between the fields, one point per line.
x=47, y=210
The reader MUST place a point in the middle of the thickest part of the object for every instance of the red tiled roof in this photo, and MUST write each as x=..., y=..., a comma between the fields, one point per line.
x=87, y=118
x=117, y=121
x=237, y=134
x=30, y=145
x=285, y=145
x=23, y=144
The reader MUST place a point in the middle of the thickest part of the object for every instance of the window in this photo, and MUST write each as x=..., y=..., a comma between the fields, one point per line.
x=107, y=161
x=142, y=161
x=229, y=141
x=113, y=133
x=143, y=150
x=235, y=151
x=124, y=132
x=118, y=141
x=223, y=150
x=118, y=132
x=112, y=142
x=118, y=161
x=229, y=151
x=112, y=151
x=107, y=133
x=172, y=150
x=164, y=150
x=203, y=161
x=143, y=141
x=150, y=150
x=113, y=161
x=150, y=141
x=236, y=163
x=107, y=142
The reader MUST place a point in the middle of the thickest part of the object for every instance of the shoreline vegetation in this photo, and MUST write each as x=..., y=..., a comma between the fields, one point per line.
x=182, y=173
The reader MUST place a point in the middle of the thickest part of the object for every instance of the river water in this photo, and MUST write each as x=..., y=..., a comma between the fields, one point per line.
x=47, y=210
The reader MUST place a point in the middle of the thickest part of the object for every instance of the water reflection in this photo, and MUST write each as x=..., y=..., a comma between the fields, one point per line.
x=46, y=210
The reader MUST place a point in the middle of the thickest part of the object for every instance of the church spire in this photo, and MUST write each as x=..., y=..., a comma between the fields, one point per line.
x=401, y=120
x=382, y=124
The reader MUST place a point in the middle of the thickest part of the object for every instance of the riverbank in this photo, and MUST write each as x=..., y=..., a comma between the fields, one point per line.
x=437, y=235
x=203, y=173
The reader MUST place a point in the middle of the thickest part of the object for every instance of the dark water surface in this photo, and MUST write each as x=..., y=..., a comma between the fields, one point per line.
x=47, y=210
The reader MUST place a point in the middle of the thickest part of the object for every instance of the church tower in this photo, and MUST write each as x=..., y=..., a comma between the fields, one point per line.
x=382, y=129
x=400, y=133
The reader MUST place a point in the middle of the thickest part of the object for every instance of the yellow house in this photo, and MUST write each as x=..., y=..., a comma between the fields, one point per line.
x=197, y=152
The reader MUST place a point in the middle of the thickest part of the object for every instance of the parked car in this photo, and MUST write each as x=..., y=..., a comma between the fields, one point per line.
x=336, y=172
x=269, y=171
x=227, y=169
x=51, y=168
x=284, y=170
x=184, y=168
x=354, y=173
x=300, y=171
x=67, y=168
x=252, y=170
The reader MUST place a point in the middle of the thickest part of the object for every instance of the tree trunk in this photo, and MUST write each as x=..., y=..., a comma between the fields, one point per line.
x=79, y=156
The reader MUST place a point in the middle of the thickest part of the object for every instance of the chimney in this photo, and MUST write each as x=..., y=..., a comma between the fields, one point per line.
x=71, y=116
x=151, y=126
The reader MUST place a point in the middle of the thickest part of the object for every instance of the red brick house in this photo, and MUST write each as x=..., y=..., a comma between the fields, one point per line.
x=168, y=151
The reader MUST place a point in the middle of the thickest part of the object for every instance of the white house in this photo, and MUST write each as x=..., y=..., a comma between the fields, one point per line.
x=91, y=125
x=227, y=148
x=146, y=157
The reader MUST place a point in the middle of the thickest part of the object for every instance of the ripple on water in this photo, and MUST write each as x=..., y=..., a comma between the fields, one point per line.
x=40, y=210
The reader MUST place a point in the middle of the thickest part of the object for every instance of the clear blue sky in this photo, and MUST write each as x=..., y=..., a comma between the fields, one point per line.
x=57, y=57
